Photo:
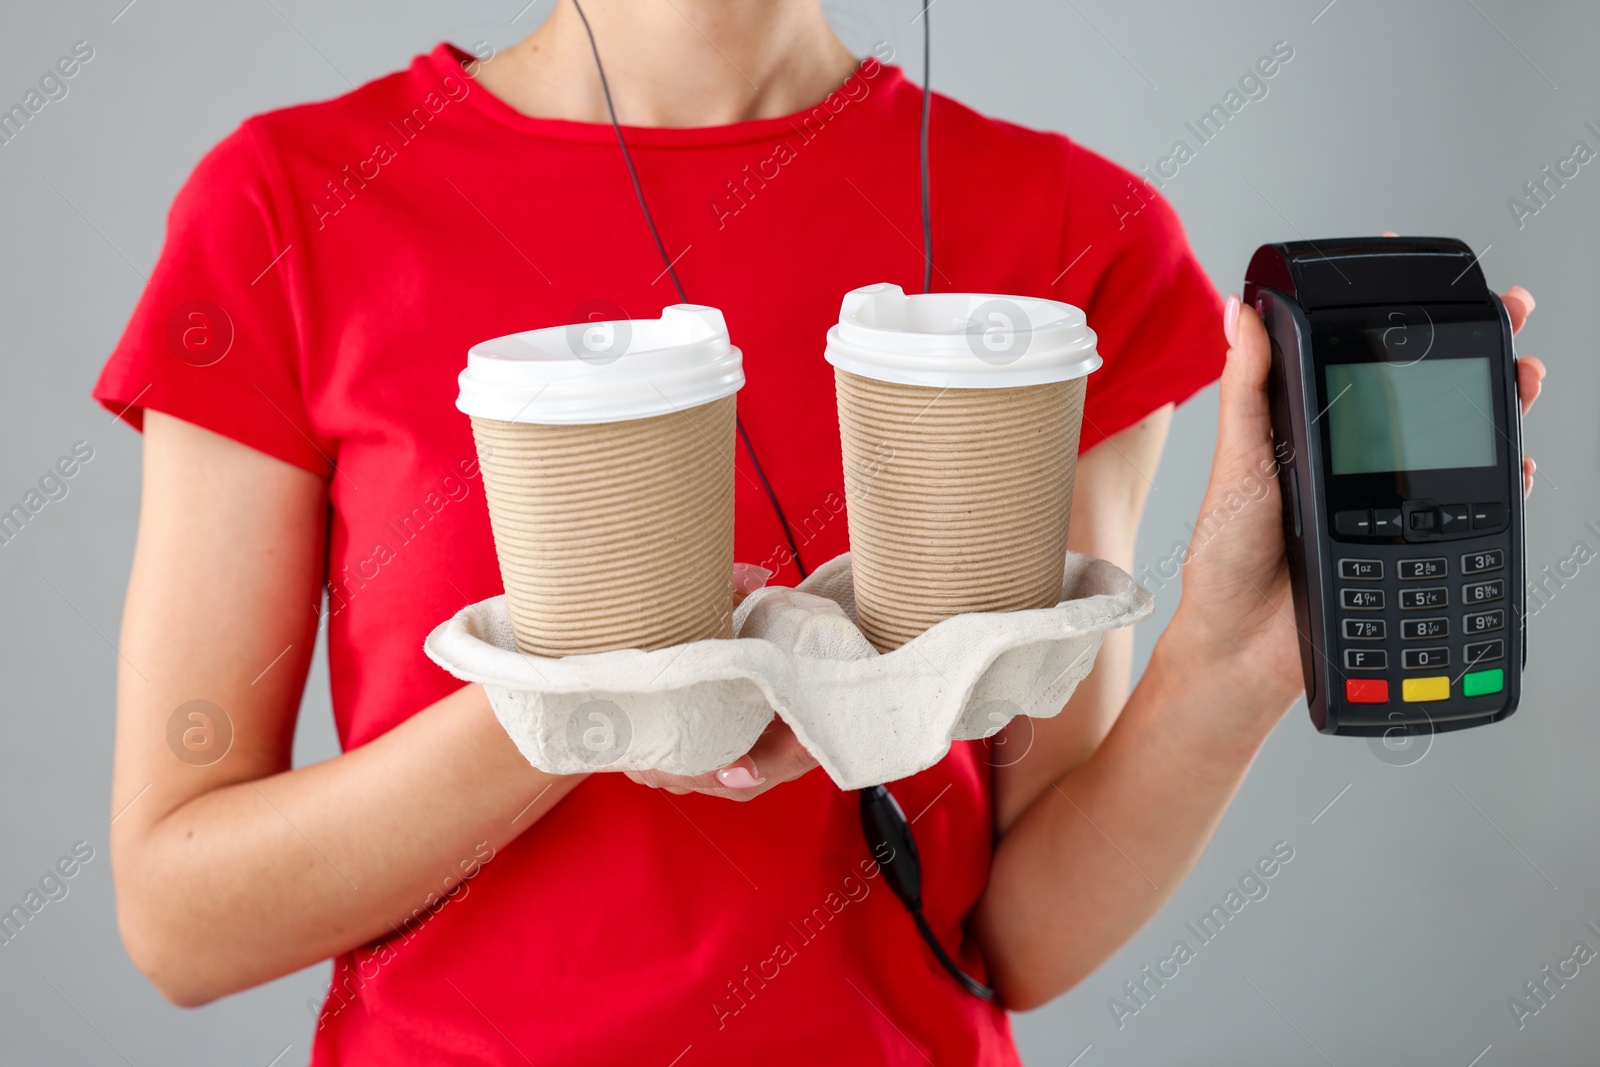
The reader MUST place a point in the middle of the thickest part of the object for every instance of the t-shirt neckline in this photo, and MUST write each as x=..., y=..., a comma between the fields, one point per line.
x=446, y=61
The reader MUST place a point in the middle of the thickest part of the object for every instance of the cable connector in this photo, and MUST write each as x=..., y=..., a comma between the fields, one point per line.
x=894, y=848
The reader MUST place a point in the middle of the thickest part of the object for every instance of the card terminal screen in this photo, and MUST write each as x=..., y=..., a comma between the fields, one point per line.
x=1424, y=415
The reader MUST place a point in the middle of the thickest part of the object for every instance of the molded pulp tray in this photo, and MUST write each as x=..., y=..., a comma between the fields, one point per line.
x=868, y=717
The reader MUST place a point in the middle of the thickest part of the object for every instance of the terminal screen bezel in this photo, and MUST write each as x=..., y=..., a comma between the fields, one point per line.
x=1351, y=335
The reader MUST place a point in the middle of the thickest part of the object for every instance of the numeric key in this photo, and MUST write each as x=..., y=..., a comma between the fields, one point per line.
x=1361, y=599
x=1412, y=569
x=1363, y=629
x=1421, y=659
x=1423, y=629
x=1432, y=597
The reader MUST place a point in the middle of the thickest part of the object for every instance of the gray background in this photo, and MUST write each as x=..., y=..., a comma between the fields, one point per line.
x=1414, y=906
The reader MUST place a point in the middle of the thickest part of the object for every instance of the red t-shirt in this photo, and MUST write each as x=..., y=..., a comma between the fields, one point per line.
x=326, y=268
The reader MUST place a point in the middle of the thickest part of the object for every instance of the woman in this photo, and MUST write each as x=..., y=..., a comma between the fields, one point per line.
x=292, y=364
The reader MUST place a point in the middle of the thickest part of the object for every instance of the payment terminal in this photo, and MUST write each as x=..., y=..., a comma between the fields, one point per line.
x=1393, y=382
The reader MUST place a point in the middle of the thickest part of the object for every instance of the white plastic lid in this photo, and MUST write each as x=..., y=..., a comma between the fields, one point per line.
x=592, y=372
x=960, y=340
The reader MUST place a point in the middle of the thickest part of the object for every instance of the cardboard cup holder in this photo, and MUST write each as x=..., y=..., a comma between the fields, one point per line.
x=867, y=716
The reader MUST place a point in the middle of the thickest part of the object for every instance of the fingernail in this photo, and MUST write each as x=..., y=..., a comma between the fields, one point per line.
x=1230, y=319
x=738, y=777
x=1522, y=294
x=1390, y=233
x=747, y=577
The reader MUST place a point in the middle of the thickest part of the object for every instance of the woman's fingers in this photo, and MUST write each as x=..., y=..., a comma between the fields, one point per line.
x=747, y=578
x=1519, y=305
x=742, y=773
x=780, y=755
x=777, y=757
x=1531, y=373
x=1531, y=370
x=1245, y=419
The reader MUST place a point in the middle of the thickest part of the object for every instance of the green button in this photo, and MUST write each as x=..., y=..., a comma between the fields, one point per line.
x=1482, y=683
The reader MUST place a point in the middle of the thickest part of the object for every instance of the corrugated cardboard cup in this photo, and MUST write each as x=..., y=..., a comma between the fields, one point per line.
x=607, y=453
x=959, y=418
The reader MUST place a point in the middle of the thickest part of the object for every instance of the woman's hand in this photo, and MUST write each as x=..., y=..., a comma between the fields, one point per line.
x=777, y=756
x=1530, y=369
x=1237, y=608
x=1221, y=676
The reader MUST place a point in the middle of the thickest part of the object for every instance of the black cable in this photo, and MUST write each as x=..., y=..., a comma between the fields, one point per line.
x=967, y=982
x=894, y=848
x=887, y=830
x=927, y=220
x=783, y=520
x=638, y=190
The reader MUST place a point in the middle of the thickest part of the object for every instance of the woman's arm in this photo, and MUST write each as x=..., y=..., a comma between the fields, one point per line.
x=1113, y=481
x=1089, y=861
x=233, y=872
x=1099, y=851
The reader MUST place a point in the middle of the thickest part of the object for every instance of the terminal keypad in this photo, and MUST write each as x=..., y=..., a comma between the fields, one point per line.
x=1447, y=609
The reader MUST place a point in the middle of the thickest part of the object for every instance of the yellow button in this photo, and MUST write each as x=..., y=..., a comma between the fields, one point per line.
x=1422, y=690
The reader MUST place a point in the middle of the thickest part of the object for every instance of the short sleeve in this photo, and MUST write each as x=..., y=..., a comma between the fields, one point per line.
x=1157, y=317
x=214, y=339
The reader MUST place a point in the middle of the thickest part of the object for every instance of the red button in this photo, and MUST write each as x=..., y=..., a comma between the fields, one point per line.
x=1366, y=690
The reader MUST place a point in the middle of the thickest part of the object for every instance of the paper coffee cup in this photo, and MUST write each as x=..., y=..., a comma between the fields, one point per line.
x=959, y=417
x=607, y=452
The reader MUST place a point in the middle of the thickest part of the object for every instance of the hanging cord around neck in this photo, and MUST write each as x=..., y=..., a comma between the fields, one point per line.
x=627, y=157
x=927, y=100
x=887, y=830
x=655, y=234
x=882, y=819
